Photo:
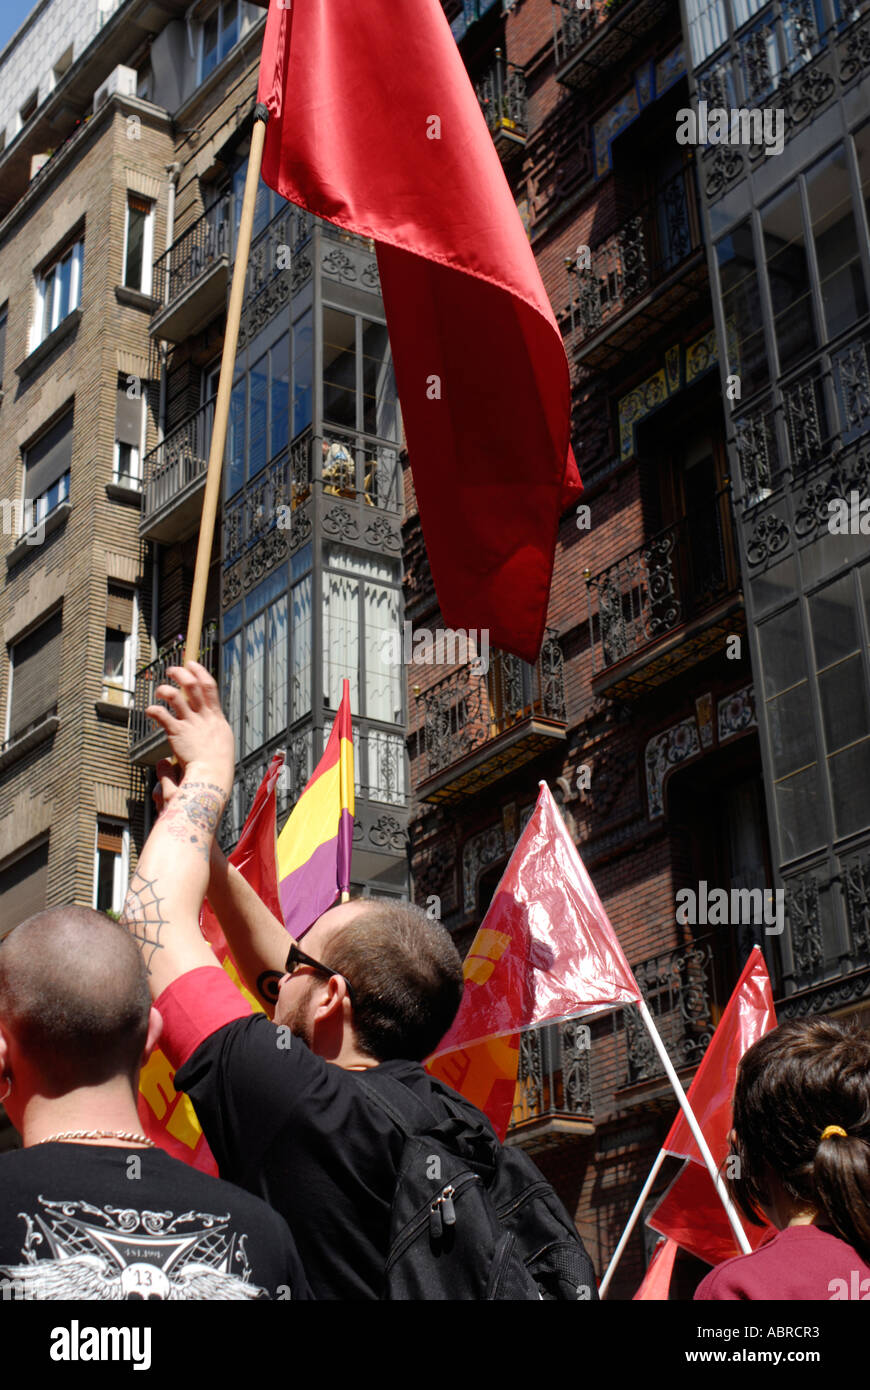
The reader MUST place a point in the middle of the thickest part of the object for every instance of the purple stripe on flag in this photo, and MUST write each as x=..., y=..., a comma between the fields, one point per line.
x=345, y=848
x=310, y=889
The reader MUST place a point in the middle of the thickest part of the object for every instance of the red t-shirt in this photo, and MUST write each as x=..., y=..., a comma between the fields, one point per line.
x=801, y=1262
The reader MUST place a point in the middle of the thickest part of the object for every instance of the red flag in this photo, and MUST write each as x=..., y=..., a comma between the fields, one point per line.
x=546, y=949
x=690, y=1211
x=374, y=125
x=486, y=1074
x=656, y=1283
x=167, y=1116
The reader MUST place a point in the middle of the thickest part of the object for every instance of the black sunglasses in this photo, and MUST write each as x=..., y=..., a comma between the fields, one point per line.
x=296, y=957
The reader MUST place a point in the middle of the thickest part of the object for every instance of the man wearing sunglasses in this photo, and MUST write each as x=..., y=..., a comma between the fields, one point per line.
x=377, y=985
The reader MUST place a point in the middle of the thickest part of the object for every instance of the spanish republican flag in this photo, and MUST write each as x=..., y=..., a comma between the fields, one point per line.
x=314, y=848
x=374, y=125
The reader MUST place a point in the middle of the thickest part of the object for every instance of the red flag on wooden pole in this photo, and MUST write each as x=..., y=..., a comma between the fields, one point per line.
x=374, y=125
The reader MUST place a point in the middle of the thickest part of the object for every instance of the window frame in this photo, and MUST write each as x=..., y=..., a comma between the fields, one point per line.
x=127, y=686
x=121, y=868
x=146, y=277
x=48, y=286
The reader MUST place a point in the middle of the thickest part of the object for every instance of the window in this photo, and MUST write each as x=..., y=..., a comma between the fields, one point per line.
x=258, y=422
x=843, y=698
x=789, y=277
x=28, y=110
x=799, y=797
x=138, y=243
x=119, y=663
x=111, y=859
x=358, y=399
x=303, y=372
x=741, y=305
x=58, y=292
x=35, y=671
x=707, y=27
x=361, y=606
x=222, y=30
x=128, y=439
x=47, y=470
x=62, y=66
x=837, y=252
x=3, y=317
x=255, y=654
x=24, y=888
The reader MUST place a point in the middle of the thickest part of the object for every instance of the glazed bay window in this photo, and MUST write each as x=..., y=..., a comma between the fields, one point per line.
x=361, y=610
x=708, y=27
x=788, y=277
x=47, y=470
x=839, y=645
x=359, y=389
x=797, y=781
x=841, y=279
x=138, y=243
x=58, y=292
x=741, y=303
x=259, y=406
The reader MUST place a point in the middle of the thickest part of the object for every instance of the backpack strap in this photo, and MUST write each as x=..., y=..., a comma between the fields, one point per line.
x=404, y=1108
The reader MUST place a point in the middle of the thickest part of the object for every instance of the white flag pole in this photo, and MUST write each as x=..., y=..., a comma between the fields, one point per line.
x=739, y=1233
x=632, y=1221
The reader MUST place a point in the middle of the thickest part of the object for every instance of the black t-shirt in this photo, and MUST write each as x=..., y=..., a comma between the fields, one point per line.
x=301, y=1133
x=85, y=1221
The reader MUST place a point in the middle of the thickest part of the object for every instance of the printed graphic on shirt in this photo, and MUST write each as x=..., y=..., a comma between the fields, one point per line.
x=74, y=1250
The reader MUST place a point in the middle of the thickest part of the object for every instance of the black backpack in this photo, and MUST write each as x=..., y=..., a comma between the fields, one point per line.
x=471, y=1219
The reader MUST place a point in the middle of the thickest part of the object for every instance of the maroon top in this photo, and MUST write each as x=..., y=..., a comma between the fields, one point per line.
x=801, y=1262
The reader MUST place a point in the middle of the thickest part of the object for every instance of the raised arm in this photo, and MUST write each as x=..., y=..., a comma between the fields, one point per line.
x=163, y=901
x=258, y=941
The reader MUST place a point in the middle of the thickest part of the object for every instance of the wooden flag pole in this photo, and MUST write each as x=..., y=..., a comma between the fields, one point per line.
x=222, y=404
x=632, y=1221
x=697, y=1132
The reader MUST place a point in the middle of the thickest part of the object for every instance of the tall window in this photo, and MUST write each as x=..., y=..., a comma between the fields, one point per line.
x=259, y=407
x=361, y=605
x=255, y=663
x=110, y=865
x=744, y=331
x=119, y=664
x=221, y=32
x=35, y=671
x=707, y=27
x=835, y=235
x=58, y=292
x=47, y=470
x=359, y=389
x=138, y=243
x=789, y=277
x=129, y=412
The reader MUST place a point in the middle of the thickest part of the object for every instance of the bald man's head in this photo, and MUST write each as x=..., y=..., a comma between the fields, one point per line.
x=74, y=996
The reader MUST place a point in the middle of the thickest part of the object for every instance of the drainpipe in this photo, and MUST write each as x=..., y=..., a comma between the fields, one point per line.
x=174, y=172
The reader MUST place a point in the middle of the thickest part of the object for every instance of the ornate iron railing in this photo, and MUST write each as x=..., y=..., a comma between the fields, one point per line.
x=270, y=499
x=574, y=26
x=670, y=579
x=466, y=710
x=196, y=250
x=553, y=1074
x=179, y=460
x=502, y=97
x=678, y=988
x=647, y=248
x=149, y=677
x=274, y=249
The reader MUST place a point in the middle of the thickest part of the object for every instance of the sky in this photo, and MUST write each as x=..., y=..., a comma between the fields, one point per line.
x=12, y=15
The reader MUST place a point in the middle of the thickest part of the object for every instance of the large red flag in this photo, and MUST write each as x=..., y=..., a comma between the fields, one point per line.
x=546, y=949
x=167, y=1115
x=690, y=1211
x=375, y=126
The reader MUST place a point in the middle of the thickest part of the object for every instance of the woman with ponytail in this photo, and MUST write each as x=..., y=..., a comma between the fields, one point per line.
x=801, y=1139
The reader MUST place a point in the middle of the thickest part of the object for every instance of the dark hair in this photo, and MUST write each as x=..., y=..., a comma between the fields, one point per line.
x=791, y=1085
x=74, y=992
x=406, y=975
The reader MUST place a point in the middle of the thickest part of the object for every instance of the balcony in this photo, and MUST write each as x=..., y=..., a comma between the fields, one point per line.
x=666, y=605
x=553, y=1099
x=175, y=479
x=680, y=992
x=502, y=97
x=649, y=272
x=190, y=278
x=589, y=41
x=148, y=742
x=473, y=729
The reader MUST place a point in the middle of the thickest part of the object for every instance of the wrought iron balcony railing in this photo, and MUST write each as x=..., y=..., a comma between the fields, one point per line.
x=663, y=584
x=502, y=97
x=179, y=460
x=642, y=254
x=466, y=711
x=552, y=1077
x=589, y=38
x=200, y=247
x=679, y=991
x=142, y=729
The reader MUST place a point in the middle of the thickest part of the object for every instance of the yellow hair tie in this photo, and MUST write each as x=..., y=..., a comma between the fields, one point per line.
x=829, y=1130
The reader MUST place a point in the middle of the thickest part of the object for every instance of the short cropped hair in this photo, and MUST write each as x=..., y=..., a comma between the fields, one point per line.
x=795, y=1082
x=74, y=994
x=406, y=975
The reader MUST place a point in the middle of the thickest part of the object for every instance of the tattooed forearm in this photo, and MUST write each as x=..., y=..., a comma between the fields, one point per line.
x=193, y=815
x=144, y=917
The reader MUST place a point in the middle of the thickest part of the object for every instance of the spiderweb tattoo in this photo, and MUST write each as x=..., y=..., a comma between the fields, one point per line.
x=143, y=916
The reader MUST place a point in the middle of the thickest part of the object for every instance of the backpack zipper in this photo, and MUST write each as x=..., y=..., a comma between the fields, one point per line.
x=439, y=1212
